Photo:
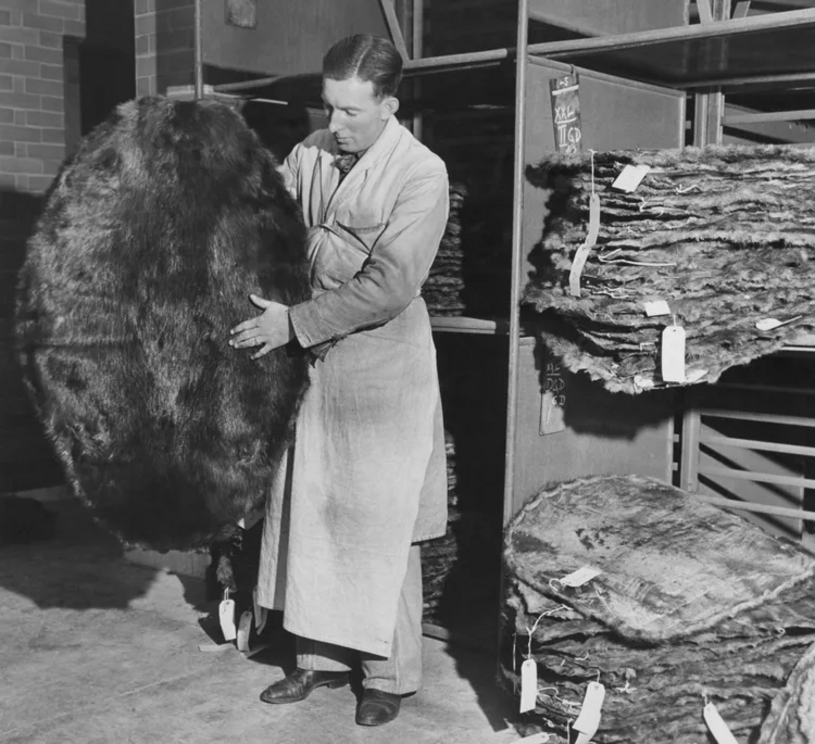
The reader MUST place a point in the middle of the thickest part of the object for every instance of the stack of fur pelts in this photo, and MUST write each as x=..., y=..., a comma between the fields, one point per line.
x=689, y=604
x=443, y=288
x=724, y=235
x=439, y=555
x=152, y=238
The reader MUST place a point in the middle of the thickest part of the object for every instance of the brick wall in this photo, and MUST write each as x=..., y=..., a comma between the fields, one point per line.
x=165, y=45
x=34, y=98
x=32, y=89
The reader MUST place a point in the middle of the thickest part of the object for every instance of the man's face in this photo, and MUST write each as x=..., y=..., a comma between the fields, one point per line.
x=355, y=116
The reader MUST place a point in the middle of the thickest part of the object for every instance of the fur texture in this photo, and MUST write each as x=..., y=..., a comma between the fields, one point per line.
x=151, y=240
x=691, y=601
x=792, y=716
x=723, y=234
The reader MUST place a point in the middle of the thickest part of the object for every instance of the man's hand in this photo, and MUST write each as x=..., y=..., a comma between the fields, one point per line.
x=269, y=330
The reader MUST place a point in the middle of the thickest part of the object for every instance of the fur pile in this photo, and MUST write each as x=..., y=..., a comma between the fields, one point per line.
x=691, y=602
x=151, y=240
x=792, y=716
x=724, y=235
x=442, y=290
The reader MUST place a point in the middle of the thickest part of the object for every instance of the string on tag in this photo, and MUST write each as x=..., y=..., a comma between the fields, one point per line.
x=531, y=632
x=581, y=255
x=515, y=661
x=591, y=153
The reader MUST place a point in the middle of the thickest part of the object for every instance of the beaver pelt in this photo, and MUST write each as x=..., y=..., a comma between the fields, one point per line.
x=152, y=237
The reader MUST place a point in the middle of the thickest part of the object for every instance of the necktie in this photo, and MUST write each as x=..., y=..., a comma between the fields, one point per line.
x=344, y=162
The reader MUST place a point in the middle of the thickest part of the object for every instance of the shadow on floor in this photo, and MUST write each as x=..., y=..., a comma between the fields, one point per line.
x=81, y=567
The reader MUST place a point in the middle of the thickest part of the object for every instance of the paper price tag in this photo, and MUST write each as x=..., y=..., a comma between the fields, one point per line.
x=654, y=308
x=226, y=616
x=718, y=728
x=673, y=354
x=529, y=685
x=588, y=720
x=630, y=178
x=581, y=576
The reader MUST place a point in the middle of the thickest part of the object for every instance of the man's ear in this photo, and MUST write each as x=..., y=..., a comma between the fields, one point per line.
x=389, y=107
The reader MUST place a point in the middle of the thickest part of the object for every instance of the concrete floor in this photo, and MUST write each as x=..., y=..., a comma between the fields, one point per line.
x=96, y=650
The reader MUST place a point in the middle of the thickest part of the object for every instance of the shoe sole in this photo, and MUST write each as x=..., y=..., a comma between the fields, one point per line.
x=333, y=685
x=376, y=723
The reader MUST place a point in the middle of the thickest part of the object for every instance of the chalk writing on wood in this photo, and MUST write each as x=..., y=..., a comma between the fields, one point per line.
x=566, y=113
x=553, y=399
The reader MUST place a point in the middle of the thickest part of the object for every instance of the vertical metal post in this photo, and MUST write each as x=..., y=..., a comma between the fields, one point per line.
x=199, y=51
x=691, y=434
x=517, y=257
x=709, y=105
x=417, y=49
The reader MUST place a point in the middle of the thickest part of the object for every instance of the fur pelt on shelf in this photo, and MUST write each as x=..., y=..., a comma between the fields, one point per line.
x=689, y=603
x=153, y=236
x=725, y=235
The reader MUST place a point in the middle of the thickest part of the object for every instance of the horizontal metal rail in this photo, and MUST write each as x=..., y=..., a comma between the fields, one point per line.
x=764, y=418
x=769, y=116
x=778, y=511
x=450, y=62
x=748, y=475
x=761, y=388
x=257, y=83
x=412, y=68
x=763, y=80
x=720, y=29
x=759, y=446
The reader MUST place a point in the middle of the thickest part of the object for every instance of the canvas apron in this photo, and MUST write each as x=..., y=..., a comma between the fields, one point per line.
x=364, y=478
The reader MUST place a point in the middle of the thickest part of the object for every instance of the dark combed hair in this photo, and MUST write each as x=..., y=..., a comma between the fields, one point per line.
x=368, y=58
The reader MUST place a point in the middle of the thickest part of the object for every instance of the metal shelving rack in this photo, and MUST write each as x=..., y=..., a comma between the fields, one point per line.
x=655, y=68
x=724, y=51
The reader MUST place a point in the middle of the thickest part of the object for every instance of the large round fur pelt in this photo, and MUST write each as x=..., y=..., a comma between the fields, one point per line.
x=170, y=214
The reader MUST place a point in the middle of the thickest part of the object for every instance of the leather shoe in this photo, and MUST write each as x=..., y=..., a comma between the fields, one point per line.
x=378, y=707
x=300, y=684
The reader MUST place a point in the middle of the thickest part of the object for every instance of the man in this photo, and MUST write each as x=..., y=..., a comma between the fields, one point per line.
x=365, y=479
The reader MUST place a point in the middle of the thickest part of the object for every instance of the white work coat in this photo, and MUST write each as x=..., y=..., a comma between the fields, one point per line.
x=366, y=474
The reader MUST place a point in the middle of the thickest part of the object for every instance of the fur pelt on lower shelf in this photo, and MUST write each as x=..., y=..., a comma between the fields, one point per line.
x=792, y=717
x=724, y=235
x=153, y=236
x=690, y=603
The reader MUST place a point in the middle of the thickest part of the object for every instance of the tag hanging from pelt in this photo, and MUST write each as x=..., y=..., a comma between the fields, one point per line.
x=673, y=353
x=226, y=616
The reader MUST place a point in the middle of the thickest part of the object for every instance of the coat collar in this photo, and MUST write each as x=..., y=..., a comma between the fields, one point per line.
x=387, y=140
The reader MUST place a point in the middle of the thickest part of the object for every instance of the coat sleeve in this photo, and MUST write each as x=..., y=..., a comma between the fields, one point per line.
x=289, y=169
x=391, y=276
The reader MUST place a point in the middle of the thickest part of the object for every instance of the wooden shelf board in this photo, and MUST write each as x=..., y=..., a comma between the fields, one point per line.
x=461, y=324
x=742, y=48
x=479, y=326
